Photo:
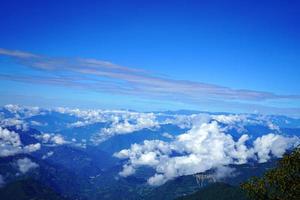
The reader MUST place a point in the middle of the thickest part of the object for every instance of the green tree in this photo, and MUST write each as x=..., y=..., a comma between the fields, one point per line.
x=280, y=183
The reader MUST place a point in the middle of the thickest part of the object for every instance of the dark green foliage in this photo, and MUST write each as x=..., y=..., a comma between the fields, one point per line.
x=282, y=182
x=220, y=191
x=28, y=189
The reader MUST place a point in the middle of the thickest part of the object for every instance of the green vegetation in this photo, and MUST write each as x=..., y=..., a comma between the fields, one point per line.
x=280, y=183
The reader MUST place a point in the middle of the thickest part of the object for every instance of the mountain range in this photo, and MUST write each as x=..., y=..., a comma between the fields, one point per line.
x=65, y=153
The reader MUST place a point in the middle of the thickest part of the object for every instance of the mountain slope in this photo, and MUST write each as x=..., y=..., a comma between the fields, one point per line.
x=28, y=189
x=220, y=191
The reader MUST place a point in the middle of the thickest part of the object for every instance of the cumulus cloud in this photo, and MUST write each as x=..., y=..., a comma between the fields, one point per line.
x=237, y=121
x=25, y=165
x=272, y=144
x=86, y=117
x=229, y=119
x=56, y=139
x=25, y=111
x=133, y=123
x=12, y=108
x=273, y=126
x=45, y=137
x=187, y=121
x=121, y=121
x=125, y=123
x=206, y=146
x=14, y=122
x=32, y=147
x=80, y=124
x=18, y=117
x=10, y=144
x=47, y=155
x=127, y=170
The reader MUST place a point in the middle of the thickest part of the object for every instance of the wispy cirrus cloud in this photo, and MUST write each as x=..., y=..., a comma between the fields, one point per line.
x=103, y=76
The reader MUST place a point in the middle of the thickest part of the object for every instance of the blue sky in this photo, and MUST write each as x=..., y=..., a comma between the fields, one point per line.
x=234, y=56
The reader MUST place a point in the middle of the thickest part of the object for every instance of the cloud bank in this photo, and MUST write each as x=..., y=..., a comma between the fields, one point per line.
x=206, y=143
x=126, y=124
x=206, y=146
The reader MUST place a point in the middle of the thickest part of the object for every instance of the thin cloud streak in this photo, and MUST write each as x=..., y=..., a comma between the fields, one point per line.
x=104, y=76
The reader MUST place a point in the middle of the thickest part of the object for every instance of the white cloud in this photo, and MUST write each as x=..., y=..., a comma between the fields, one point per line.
x=45, y=137
x=15, y=122
x=125, y=123
x=79, y=124
x=12, y=108
x=229, y=119
x=156, y=180
x=56, y=139
x=25, y=164
x=187, y=121
x=127, y=170
x=223, y=172
x=273, y=126
x=205, y=146
x=36, y=123
x=22, y=110
x=10, y=144
x=10, y=137
x=86, y=116
x=134, y=122
x=130, y=81
x=32, y=147
x=50, y=153
x=272, y=144
x=167, y=135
